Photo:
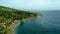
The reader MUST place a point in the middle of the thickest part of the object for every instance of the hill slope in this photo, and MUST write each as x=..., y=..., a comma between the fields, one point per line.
x=8, y=15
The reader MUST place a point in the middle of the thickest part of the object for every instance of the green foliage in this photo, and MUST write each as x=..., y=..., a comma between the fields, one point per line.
x=8, y=15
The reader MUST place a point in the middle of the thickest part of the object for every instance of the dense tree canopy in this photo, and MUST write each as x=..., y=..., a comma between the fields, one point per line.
x=8, y=15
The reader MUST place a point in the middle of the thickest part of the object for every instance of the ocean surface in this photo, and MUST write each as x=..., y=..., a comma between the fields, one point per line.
x=49, y=23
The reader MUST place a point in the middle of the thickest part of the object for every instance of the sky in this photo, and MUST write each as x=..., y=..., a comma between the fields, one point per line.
x=32, y=4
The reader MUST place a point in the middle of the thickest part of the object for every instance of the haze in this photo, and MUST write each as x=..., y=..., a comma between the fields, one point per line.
x=32, y=4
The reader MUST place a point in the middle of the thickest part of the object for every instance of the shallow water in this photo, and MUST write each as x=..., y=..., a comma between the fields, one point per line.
x=47, y=24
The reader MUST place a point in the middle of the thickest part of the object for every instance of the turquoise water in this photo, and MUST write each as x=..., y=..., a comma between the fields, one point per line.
x=47, y=24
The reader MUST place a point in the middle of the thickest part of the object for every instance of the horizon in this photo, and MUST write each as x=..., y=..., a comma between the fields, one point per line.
x=38, y=5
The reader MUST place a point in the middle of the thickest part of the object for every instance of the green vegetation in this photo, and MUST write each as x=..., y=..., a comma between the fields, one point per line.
x=8, y=15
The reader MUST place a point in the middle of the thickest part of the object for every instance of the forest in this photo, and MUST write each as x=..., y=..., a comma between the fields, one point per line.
x=8, y=15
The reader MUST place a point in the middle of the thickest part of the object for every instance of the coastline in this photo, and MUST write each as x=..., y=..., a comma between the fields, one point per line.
x=16, y=22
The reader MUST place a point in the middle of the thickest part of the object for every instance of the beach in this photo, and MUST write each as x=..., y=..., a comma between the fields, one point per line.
x=16, y=22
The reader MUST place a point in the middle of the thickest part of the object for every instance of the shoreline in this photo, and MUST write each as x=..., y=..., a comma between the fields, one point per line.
x=16, y=22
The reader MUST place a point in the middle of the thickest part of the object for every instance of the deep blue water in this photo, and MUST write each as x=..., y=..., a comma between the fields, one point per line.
x=47, y=24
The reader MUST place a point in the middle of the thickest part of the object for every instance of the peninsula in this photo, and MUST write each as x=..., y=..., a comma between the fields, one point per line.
x=10, y=17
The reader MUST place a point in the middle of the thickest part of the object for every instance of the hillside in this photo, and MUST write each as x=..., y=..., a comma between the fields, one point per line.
x=8, y=15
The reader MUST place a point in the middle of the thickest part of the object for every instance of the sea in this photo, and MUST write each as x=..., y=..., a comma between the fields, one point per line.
x=49, y=23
